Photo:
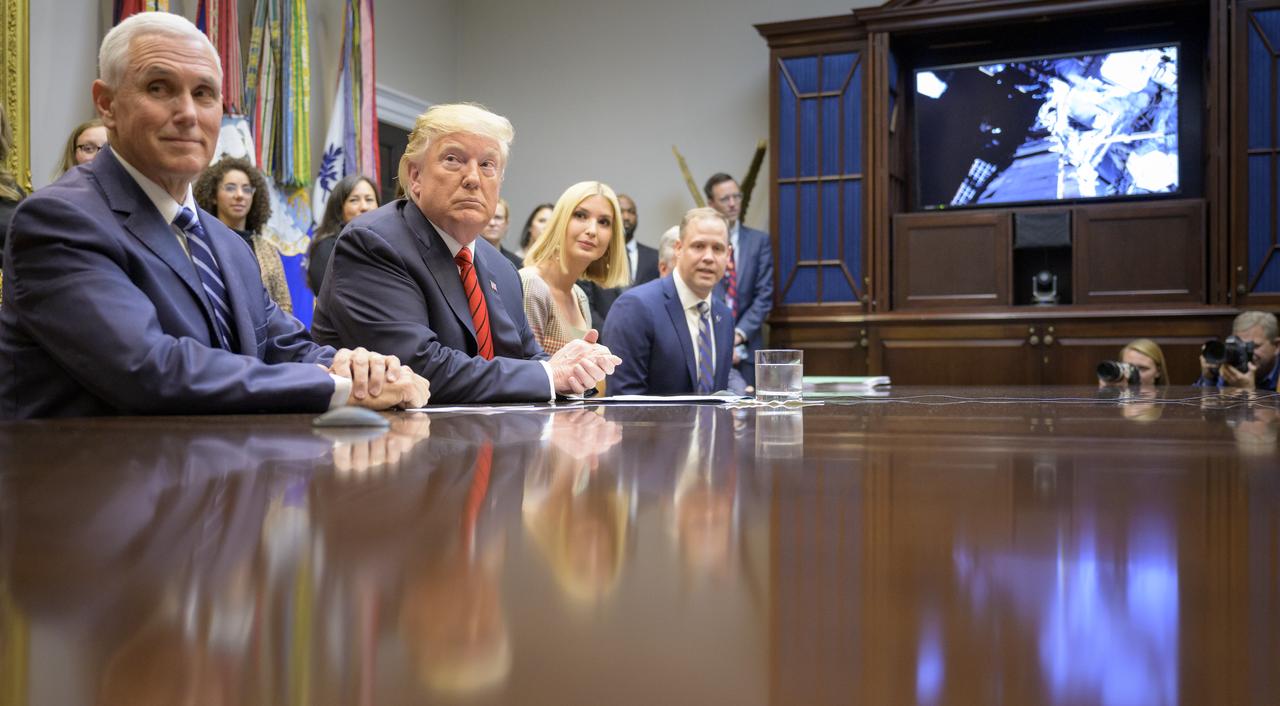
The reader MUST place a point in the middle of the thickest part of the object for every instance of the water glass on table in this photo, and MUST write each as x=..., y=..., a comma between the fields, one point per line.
x=779, y=375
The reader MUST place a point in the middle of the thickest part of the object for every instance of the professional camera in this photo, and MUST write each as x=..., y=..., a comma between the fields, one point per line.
x=1111, y=371
x=1234, y=352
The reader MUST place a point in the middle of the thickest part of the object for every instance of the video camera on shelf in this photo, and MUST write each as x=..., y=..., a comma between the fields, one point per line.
x=1233, y=352
x=1111, y=371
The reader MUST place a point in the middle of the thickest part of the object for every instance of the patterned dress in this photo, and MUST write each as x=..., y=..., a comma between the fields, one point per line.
x=549, y=327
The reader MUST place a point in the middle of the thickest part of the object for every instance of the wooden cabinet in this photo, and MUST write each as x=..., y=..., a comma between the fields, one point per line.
x=868, y=283
x=1045, y=347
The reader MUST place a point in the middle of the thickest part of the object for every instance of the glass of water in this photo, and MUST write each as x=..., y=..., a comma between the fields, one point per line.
x=779, y=375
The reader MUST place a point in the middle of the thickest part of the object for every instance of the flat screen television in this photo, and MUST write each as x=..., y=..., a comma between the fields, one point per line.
x=1067, y=127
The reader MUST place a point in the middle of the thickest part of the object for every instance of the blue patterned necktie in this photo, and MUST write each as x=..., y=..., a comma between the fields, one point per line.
x=706, y=375
x=210, y=274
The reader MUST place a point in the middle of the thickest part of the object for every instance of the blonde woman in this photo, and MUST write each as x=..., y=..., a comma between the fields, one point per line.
x=583, y=240
x=1144, y=355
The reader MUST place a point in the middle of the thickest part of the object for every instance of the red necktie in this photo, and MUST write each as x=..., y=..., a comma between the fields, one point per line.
x=475, y=302
x=731, y=286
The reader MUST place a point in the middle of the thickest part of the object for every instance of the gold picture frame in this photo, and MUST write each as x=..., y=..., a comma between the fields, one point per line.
x=15, y=61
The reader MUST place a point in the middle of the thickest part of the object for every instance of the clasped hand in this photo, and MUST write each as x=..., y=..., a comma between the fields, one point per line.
x=380, y=381
x=581, y=364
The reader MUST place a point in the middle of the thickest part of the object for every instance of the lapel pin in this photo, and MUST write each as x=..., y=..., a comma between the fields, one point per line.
x=493, y=285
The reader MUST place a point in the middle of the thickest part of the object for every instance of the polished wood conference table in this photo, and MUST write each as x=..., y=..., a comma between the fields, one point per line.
x=924, y=546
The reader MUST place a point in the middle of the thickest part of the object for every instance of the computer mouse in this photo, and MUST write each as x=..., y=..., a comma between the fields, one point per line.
x=349, y=416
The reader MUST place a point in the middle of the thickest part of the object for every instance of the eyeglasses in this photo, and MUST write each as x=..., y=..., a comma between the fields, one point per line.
x=231, y=189
x=727, y=198
x=89, y=148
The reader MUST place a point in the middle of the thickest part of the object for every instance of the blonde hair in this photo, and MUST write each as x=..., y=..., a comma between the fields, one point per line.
x=1150, y=349
x=69, y=152
x=610, y=269
x=448, y=118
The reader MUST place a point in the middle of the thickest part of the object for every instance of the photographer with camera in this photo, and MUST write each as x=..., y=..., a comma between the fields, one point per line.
x=1247, y=360
x=1141, y=364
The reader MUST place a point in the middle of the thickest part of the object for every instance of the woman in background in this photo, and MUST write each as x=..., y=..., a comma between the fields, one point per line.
x=83, y=145
x=1145, y=355
x=353, y=195
x=533, y=226
x=236, y=192
x=583, y=240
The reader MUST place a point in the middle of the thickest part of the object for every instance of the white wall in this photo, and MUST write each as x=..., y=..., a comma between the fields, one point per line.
x=64, y=61
x=597, y=89
x=601, y=89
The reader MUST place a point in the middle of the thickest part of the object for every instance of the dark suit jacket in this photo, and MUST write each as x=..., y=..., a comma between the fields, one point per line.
x=754, y=261
x=104, y=313
x=514, y=258
x=648, y=330
x=601, y=299
x=393, y=287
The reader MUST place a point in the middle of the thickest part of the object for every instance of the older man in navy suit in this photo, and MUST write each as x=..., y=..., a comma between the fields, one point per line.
x=415, y=278
x=747, y=287
x=122, y=297
x=673, y=337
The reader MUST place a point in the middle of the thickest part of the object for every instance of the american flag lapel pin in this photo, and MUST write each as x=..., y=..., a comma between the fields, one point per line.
x=493, y=285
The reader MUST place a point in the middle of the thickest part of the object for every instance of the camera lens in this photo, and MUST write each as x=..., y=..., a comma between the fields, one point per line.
x=1214, y=352
x=1109, y=371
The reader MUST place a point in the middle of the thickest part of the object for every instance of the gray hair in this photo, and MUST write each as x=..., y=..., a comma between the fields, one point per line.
x=1249, y=319
x=448, y=118
x=667, y=246
x=113, y=56
x=699, y=214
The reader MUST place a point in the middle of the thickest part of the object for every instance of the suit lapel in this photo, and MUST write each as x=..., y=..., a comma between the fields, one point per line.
x=722, y=324
x=501, y=328
x=681, y=324
x=143, y=221
x=441, y=265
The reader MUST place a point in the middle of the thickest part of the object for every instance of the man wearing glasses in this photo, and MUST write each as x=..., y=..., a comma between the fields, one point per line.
x=747, y=286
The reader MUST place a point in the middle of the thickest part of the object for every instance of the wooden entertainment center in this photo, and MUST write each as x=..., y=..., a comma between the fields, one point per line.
x=868, y=282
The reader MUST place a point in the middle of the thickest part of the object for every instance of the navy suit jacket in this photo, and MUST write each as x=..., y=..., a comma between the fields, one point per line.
x=393, y=287
x=754, y=262
x=647, y=328
x=104, y=313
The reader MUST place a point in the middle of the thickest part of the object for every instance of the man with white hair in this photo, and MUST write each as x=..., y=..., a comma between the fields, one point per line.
x=1260, y=329
x=121, y=296
x=415, y=278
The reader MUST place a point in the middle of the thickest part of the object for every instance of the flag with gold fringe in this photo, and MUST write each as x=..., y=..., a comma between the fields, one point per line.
x=123, y=8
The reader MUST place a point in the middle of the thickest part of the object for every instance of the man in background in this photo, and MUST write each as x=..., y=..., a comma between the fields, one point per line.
x=747, y=288
x=496, y=231
x=1260, y=329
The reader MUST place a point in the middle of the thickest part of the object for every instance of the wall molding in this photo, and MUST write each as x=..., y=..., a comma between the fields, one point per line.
x=399, y=109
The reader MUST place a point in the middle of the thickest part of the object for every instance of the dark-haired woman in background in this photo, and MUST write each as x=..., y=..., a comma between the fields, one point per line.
x=85, y=142
x=533, y=226
x=352, y=196
x=236, y=192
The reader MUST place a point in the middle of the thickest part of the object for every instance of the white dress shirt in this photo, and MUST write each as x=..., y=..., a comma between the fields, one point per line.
x=689, y=302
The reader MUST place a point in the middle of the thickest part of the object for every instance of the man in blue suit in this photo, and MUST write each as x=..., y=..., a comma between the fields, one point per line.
x=414, y=278
x=122, y=297
x=672, y=335
x=747, y=287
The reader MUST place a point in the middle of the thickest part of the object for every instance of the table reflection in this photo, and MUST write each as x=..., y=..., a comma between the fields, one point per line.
x=929, y=547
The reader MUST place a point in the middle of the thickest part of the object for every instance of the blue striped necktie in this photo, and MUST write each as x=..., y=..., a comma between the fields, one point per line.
x=706, y=373
x=210, y=274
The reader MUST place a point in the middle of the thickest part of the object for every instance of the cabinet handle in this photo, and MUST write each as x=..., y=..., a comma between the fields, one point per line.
x=1034, y=340
x=1241, y=289
x=1048, y=340
x=864, y=343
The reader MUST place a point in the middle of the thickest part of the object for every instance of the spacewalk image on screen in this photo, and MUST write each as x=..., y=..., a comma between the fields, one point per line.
x=1057, y=128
